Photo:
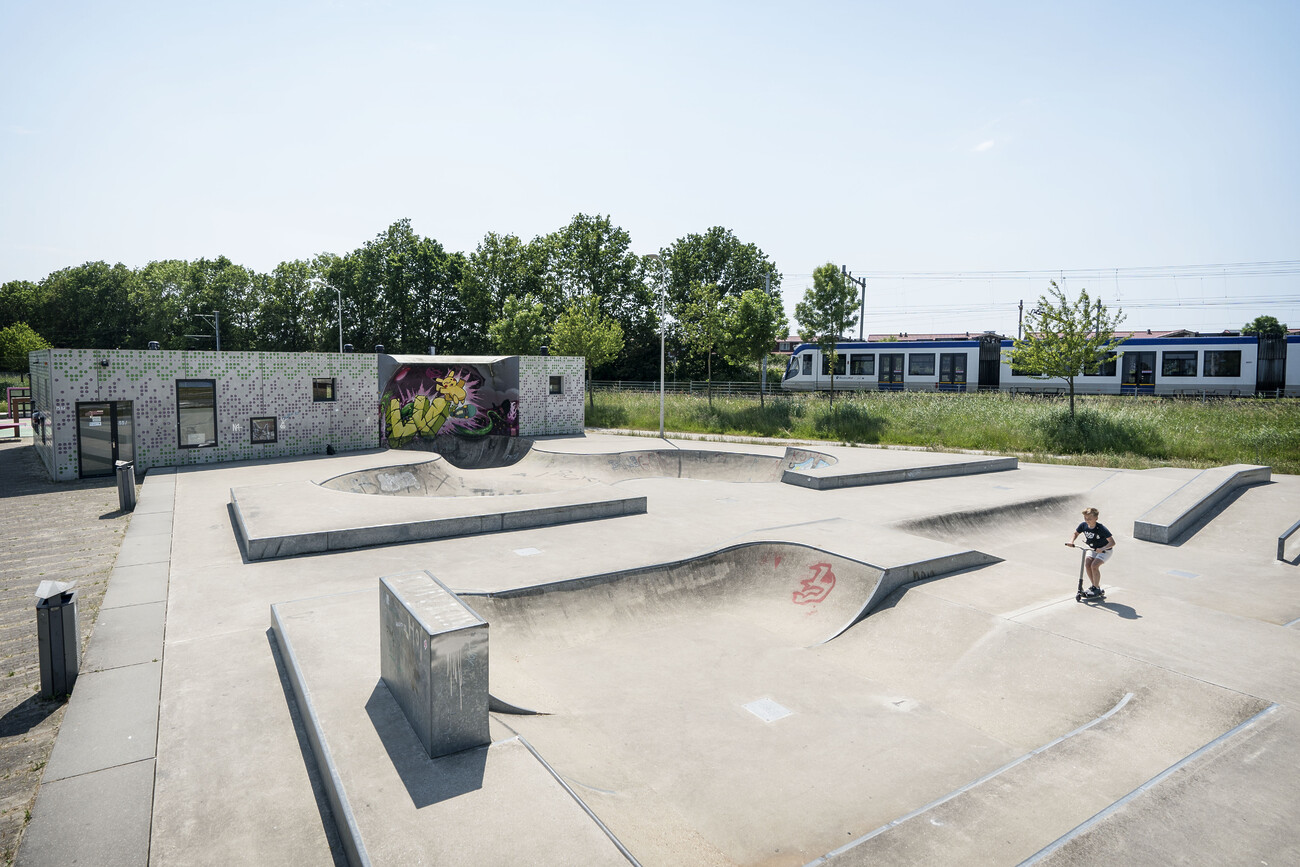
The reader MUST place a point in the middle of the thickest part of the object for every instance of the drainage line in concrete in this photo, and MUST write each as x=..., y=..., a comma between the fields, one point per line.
x=1158, y=778
x=966, y=788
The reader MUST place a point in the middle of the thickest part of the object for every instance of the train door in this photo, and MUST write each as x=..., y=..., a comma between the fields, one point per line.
x=1139, y=373
x=105, y=434
x=952, y=371
x=1270, y=365
x=890, y=377
x=990, y=362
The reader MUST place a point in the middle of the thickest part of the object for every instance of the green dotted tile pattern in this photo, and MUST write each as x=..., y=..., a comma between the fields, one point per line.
x=248, y=384
x=542, y=413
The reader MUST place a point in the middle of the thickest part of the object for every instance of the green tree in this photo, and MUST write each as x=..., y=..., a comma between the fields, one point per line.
x=584, y=329
x=1064, y=339
x=500, y=267
x=15, y=342
x=522, y=328
x=701, y=323
x=285, y=319
x=716, y=257
x=1265, y=326
x=826, y=312
x=592, y=256
x=20, y=301
x=752, y=323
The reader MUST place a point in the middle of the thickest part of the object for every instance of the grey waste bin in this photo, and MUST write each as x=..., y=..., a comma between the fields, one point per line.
x=58, y=641
x=126, y=485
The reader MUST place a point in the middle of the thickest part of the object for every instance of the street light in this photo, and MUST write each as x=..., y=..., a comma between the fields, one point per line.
x=663, y=301
x=339, y=293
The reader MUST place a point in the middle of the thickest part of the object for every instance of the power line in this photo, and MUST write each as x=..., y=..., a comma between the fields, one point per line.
x=1279, y=268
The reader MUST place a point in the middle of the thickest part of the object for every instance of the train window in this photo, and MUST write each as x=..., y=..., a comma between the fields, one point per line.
x=839, y=364
x=1224, y=362
x=920, y=364
x=807, y=365
x=792, y=369
x=1106, y=368
x=1178, y=363
x=861, y=364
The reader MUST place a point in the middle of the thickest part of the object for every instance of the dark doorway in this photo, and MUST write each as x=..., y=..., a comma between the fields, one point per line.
x=990, y=362
x=1270, y=365
x=105, y=434
x=1139, y=373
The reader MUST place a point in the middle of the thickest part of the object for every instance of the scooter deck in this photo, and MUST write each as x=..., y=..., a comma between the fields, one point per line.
x=1079, y=597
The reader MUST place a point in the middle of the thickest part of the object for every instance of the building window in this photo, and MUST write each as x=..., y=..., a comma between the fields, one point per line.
x=1222, y=362
x=1178, y=363
x=264, y=429
x=839, y=364
x=920, y=364
x=322, y=388
x=196, y=413
x=557, y=385
x=862, y=365
x=1106, y=368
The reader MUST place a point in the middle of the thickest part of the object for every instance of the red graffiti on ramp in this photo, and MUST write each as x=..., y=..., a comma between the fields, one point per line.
x=817, y=587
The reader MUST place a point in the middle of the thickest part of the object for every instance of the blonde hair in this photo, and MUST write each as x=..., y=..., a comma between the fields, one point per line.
x=1090, y=511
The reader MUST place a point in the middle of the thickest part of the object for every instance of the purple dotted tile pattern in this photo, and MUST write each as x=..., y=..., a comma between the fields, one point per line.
x=542, y=413
x=248, y=384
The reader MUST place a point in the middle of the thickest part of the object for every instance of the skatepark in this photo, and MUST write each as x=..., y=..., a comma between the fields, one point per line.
x=698, y=653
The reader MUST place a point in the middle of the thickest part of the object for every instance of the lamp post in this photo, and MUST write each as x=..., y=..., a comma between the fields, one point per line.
x=339, y=293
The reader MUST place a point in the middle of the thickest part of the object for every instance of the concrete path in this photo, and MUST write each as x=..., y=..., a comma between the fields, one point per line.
x=981, y=715
x=64, y=532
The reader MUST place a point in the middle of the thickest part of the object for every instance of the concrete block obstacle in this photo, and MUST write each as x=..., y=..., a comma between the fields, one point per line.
x=1175, y=514
x=433, y=652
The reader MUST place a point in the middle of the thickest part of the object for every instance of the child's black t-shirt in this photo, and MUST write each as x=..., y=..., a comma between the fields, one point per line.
x=1097, y=536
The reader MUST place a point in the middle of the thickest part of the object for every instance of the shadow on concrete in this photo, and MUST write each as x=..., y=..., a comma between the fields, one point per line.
x=27, y=715
x=309, y=759
x=1218, y=509
x=1127, y=612
x=428, y=781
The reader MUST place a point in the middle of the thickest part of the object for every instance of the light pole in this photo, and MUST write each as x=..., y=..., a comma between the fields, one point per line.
x=339, y=293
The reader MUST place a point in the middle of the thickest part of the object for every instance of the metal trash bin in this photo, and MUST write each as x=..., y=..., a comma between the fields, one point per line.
x=125, y=485
x=58, y=638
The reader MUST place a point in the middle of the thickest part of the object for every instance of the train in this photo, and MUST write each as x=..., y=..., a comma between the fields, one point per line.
x=1155, y=364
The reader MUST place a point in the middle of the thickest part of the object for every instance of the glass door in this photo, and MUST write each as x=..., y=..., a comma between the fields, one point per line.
x=890, y=377
x=105, y=434
x=952, y=371
x=1139, y=373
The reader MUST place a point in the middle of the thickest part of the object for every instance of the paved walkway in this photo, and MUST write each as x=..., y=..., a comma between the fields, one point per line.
x=66, y=532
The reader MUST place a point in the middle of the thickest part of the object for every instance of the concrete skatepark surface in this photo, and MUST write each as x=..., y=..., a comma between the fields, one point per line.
x=702, y=699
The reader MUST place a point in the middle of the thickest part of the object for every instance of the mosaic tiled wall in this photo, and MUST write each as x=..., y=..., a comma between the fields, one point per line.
x=248, y=384
x=42, y=401
x=542, y=413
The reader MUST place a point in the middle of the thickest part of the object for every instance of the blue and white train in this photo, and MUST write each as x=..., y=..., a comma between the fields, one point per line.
x=1219, y=365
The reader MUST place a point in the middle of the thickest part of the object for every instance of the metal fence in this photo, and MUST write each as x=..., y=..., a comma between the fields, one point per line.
x=683, y=386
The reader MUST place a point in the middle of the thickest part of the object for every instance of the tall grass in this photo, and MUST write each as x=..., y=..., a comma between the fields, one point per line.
x=1105, y=431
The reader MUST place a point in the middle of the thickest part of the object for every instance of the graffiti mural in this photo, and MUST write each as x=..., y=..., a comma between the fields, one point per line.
x=422, y=401
x=817, y=586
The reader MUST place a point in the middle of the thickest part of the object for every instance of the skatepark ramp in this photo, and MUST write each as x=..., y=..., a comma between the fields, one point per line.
x=804, y=594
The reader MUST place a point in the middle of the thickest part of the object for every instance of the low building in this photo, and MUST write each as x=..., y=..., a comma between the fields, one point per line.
x=162, y=408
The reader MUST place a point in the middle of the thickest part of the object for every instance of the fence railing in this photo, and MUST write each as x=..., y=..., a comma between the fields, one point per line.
x=684, y=386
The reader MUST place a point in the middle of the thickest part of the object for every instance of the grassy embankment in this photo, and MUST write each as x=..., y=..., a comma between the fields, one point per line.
x=1106, y=431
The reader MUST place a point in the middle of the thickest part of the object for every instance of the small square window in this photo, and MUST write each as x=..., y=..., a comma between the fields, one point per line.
x=557, y=385
x=264, y=429
x=322, y=388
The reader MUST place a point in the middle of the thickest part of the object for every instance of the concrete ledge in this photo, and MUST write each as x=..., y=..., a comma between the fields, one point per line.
x=272, y=523
x=1179, y=511
x=841, y=477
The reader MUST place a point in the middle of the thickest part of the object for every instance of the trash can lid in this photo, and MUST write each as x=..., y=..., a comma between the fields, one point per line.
x=120, y=464
x=49, y=589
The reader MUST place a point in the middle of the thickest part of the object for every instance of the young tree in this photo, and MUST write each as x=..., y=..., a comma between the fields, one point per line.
x=15, y=342
x=701, y=322
x=1064, y=340
x=1265, y=326
x=584, y=330
x=826, y=312
x=752, y=325
x=522, y=328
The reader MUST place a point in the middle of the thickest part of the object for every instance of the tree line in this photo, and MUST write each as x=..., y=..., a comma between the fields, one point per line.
x=408, y=293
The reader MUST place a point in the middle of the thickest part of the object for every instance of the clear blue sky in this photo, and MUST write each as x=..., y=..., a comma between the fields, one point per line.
x=882, y=136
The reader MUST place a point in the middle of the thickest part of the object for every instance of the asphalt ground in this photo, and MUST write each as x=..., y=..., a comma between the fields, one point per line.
x=65, y=532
